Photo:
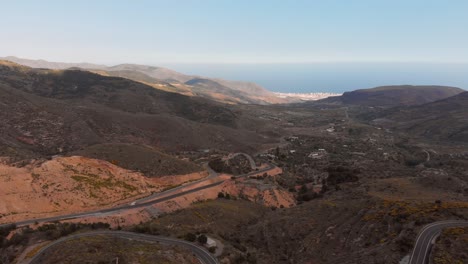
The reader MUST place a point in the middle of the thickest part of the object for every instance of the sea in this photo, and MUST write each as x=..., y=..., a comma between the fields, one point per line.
x=333, y=77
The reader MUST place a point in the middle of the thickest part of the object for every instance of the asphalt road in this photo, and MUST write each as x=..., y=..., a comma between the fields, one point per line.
x=143, y=202
x=202, y=254
x=426, y=237
x=212, y=174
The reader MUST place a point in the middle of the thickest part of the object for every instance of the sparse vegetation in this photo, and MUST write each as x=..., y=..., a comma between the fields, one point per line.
x=150, y=162
x=237, y=165
x=451, y=246
x=191, y=237
x=23, y=236
x=97, y=183
x=107, y=249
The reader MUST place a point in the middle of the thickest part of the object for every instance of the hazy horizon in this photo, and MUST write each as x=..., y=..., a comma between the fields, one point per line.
x=333, y=77
x=241, y=31
x=300, y=46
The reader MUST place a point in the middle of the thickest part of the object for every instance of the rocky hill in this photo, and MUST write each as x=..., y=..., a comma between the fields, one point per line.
x=445, y=119
x=390, y=96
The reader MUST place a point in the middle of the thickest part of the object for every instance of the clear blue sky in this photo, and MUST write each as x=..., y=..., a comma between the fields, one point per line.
x=236, y=31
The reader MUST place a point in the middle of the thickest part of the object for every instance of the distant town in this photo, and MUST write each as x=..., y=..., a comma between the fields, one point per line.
x=307, y=96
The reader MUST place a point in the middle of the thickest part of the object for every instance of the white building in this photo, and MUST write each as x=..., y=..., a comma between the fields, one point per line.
x=210, y=242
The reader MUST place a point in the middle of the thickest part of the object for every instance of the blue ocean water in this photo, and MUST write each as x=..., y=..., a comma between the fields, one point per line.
x=333, y=77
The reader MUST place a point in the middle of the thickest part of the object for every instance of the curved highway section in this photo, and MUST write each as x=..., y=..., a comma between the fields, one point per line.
x=426, y=238
x=202, y=254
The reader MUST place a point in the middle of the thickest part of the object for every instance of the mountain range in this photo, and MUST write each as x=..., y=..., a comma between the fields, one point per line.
x=225, y=91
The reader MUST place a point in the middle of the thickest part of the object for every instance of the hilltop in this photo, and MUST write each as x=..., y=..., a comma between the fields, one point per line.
x=51, y=65
x=390, y=96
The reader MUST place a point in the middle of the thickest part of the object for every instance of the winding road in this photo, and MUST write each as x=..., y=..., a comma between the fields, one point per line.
x=420, y=254
x=143, y=202
x=427, y=237
x=202, y=254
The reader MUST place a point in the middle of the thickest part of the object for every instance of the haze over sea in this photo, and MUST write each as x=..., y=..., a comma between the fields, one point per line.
x=333, y=77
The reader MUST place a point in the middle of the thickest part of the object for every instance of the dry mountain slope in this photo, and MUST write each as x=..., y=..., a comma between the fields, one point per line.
x=146, y=79
x=390, y=96
x=50, y=112
x=148, y=161
x=230, y=91
x=159, y=73
x=169, y=80
x=445, y=119
x=216, y=91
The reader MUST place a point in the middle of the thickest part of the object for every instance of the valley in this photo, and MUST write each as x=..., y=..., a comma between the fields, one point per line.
x=347, y=179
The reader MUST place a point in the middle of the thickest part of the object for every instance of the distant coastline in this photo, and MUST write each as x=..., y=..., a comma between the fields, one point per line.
x=333, y=77
x=306, y=96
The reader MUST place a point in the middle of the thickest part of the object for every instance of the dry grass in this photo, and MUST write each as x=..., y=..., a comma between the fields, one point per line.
x=407, y=209
x=34, y=251
x=405, y=189
x=451, y=247
x=214, y=217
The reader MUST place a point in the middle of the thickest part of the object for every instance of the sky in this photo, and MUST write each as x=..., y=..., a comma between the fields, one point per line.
x=159, y=32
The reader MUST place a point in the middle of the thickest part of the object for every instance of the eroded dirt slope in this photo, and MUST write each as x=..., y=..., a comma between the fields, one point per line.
x=72, y=184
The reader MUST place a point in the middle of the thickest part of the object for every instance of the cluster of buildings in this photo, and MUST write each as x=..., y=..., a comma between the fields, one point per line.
x=306, y=96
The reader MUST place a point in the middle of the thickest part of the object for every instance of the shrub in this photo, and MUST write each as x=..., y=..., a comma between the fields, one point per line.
x=4, y=231
x=18, y=239
x=412, y=162
x=190, y=237
x=202, y=239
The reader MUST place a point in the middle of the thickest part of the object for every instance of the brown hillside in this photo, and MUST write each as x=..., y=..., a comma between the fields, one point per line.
x=390, y=96
x=148, y=161
x=49, y=112
x=441, y=120
x=161, y=78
